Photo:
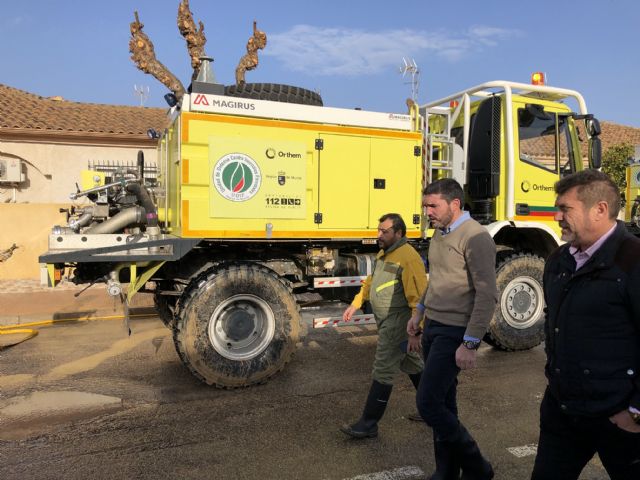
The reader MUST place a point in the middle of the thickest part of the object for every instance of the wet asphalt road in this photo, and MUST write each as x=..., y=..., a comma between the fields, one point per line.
x=85, y=401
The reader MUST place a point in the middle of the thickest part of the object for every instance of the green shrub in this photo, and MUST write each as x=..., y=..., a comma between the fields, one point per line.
x=614, y=163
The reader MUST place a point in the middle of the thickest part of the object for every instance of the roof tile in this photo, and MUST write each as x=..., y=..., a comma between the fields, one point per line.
x=23, y=110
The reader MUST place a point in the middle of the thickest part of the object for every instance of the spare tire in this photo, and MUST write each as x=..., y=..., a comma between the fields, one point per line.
x=274, y=92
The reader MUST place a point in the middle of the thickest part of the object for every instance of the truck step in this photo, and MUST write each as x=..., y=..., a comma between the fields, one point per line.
x=322, y=322
x=332, y=282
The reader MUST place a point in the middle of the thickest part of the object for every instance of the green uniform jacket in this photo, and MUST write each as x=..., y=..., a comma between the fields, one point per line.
x=398, y=280
x=397, y=283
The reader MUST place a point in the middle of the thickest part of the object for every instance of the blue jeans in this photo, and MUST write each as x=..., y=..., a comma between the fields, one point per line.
x=568, y=442
x=436, y=396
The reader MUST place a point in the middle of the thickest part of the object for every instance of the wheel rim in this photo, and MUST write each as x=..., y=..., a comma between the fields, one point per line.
x=522, y=302
x=241, y=327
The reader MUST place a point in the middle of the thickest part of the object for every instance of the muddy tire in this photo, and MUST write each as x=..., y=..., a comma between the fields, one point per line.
x=518, y=321
x=164, y=309
x=237, y=325
x=274, y=92
x=165, y=304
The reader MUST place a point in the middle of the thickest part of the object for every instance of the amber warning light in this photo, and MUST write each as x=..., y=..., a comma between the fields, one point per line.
x=537, y=78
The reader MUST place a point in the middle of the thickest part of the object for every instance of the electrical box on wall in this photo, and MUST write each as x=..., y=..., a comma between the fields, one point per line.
x=11, y=170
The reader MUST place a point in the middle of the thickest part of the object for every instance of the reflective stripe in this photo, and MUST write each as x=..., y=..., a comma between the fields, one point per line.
x=386, y=284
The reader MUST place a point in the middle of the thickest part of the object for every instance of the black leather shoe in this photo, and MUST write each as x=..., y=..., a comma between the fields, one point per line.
x=447, y=464
x=474, y=465
x=415, y=417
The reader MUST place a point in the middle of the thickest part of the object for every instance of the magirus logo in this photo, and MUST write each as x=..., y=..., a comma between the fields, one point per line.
x=237, y=177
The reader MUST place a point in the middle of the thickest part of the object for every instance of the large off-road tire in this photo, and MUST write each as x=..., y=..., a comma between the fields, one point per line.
x=274, y=92
x=518, y=321
x=237, y=325
x=164, y=308
x=166, y=304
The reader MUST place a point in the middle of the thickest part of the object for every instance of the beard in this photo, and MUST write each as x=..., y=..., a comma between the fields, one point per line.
x=384, y=245
x=442, y=222
x=567, y=234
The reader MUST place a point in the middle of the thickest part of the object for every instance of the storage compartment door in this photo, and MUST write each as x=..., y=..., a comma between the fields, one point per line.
x=343, y=188
x=395, y=180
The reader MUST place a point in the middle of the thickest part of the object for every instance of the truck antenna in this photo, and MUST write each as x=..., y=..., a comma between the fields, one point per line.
x=410, y=66
x=142, y=92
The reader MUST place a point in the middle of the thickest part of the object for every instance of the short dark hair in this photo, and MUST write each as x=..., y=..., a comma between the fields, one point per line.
x=398, y=223
x=448, y=188
x=592, y=186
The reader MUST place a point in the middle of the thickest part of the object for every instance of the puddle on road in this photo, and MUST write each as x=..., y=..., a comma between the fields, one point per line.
x=21, y=417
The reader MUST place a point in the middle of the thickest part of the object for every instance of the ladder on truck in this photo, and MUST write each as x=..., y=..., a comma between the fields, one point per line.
x=438, y=146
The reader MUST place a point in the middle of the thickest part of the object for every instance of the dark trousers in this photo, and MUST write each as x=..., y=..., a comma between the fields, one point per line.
x=568, y=442
x=436, y=396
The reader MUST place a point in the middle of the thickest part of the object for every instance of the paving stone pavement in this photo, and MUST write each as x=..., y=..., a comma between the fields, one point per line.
x=32, y=286
x=24, y=301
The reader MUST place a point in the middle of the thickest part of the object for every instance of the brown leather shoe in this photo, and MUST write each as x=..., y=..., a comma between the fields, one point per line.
x=415, y=417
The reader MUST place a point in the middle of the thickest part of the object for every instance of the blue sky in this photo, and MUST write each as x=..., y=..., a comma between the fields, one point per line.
x=348, y=50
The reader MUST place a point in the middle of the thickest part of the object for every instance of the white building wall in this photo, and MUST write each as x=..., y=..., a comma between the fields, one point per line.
x=52, y=169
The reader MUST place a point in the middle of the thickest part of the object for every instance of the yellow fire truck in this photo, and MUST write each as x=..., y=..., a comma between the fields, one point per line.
x=265, y=197
x=632, y=193
x=508, y=143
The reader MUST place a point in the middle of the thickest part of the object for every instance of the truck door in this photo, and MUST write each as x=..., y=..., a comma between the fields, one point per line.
x=544, y=153
x=343, y=190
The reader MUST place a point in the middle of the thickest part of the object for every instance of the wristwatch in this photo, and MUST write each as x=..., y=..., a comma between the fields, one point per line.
x=471, y=345
x=635, y=415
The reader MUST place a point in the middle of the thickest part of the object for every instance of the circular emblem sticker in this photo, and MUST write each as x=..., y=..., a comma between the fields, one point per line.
x=237, y=177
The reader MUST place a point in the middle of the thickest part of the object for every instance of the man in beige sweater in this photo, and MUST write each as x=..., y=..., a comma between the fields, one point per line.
x=457, y=308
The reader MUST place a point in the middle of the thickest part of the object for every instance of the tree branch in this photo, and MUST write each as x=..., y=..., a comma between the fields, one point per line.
x=195, y=37
x=144, y=56
x=250, y=61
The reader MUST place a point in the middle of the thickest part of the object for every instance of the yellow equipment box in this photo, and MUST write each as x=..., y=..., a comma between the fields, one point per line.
x=256, y=177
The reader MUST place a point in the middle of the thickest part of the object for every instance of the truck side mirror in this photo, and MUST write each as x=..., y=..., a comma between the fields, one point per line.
x=595, y=152
x=593, y=127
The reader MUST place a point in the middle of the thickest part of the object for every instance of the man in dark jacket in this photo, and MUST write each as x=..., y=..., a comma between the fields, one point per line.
x=592, y=292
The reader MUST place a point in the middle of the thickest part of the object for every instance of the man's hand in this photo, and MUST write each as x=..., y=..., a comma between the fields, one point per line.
x=465, y=358
x=624, y=421
x=414, y=344
x=348, y=313
x=413, y=325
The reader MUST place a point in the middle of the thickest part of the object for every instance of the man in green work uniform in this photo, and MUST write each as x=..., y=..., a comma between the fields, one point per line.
x=394, y=288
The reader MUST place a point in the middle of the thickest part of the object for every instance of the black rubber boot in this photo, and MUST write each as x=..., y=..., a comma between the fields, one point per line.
x=474, y=465
x=377, y=400
x=415, y=379
x=447, y=465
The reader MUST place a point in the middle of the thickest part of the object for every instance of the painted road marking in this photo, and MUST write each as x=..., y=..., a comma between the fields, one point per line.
x=524, y=450
x=396, y=474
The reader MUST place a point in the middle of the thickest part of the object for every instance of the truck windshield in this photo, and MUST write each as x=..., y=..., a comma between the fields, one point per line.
x=544, y=140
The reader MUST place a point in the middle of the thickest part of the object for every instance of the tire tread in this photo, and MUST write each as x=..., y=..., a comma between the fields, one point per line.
x=235, y=271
